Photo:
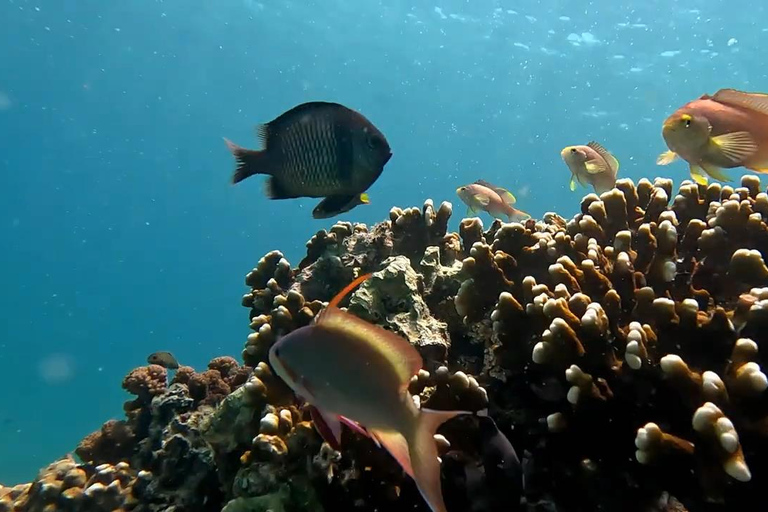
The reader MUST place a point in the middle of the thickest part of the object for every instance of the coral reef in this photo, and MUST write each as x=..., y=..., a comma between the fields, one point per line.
x=622, y=352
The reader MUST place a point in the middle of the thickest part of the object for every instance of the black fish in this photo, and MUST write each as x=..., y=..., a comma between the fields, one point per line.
x=316, y=149
x=489, y=480
x=164, y=359
x=503, y=471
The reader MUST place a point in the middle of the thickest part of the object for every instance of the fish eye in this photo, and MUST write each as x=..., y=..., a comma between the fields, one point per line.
x=573, y=150
x=687, y=123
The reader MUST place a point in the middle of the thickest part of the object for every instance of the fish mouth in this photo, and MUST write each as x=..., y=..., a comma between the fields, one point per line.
x=387, y=157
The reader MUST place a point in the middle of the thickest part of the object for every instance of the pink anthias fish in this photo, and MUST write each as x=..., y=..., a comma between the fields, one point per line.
x=497, y=201
x=357, y=373
x=591, y=164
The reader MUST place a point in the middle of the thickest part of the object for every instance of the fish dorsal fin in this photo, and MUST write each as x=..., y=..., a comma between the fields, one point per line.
x=351, y=286
x=757, y=102
x=735, y=146
x=484, y=183
x=396, y=350
x=505, y=194
x=609, y=158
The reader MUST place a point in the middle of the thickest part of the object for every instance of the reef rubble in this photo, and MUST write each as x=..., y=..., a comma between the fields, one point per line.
x=621, y=352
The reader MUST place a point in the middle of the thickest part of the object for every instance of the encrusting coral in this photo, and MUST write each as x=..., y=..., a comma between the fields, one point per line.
x=622, y=352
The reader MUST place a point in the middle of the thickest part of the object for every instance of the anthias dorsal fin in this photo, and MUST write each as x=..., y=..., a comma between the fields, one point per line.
x=351, y=286
x=504, y=194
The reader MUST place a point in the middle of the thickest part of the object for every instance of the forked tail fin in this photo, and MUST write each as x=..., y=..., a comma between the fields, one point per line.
x=248, y=161
x=422, y=449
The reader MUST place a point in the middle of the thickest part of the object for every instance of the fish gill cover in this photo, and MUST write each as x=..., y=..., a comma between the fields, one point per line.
x=621, y=351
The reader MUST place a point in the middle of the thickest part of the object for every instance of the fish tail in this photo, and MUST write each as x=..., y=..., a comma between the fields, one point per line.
x=424, y=458
x=249, y=161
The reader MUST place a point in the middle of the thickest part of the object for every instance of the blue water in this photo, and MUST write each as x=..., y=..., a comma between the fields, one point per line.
x=121, y=234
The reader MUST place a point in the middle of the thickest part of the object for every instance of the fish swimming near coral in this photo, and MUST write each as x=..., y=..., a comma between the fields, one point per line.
x=357, y=373
x=591, y=164
x=490, y=480
x=712, y=133
x=316, y=149
x=164, y=359
x=494, y=200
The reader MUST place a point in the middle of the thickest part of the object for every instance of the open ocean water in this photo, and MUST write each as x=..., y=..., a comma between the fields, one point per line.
x=122, y=235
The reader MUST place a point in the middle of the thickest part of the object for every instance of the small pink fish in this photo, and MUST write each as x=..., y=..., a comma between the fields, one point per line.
x=497, y=201
x=591, y=165
x=356, y=373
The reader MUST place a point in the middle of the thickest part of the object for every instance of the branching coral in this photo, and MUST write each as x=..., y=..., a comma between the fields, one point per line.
x=623, y=352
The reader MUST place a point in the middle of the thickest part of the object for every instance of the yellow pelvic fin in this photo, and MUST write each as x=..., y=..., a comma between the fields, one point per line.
x=572, y=185
x=470, y=211
x=666, y=158
x=715, y=172
x=755, y=101
x=698, y=175
x=736, y=146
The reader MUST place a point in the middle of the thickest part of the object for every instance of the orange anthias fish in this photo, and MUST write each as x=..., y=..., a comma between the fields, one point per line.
x=591, y=165
x=497, y=201
x=354, y=372
x=729, y=129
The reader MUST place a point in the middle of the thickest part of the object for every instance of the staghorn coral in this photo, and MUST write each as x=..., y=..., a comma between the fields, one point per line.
x=622, y=352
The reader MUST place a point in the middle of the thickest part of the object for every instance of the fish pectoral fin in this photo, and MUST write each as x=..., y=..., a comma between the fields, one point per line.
x=698, y=175
x=397, y=446
x=609, y=158
x=481, y=199
x=666, y=158
x=328, y=426
x=337, y=204
x=735, y=146
x=757, y=102
x=572, y=184
x=715, y=172
x=595, y=166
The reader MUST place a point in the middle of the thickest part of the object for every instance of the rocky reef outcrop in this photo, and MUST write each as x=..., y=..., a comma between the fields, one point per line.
x=621, y=352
